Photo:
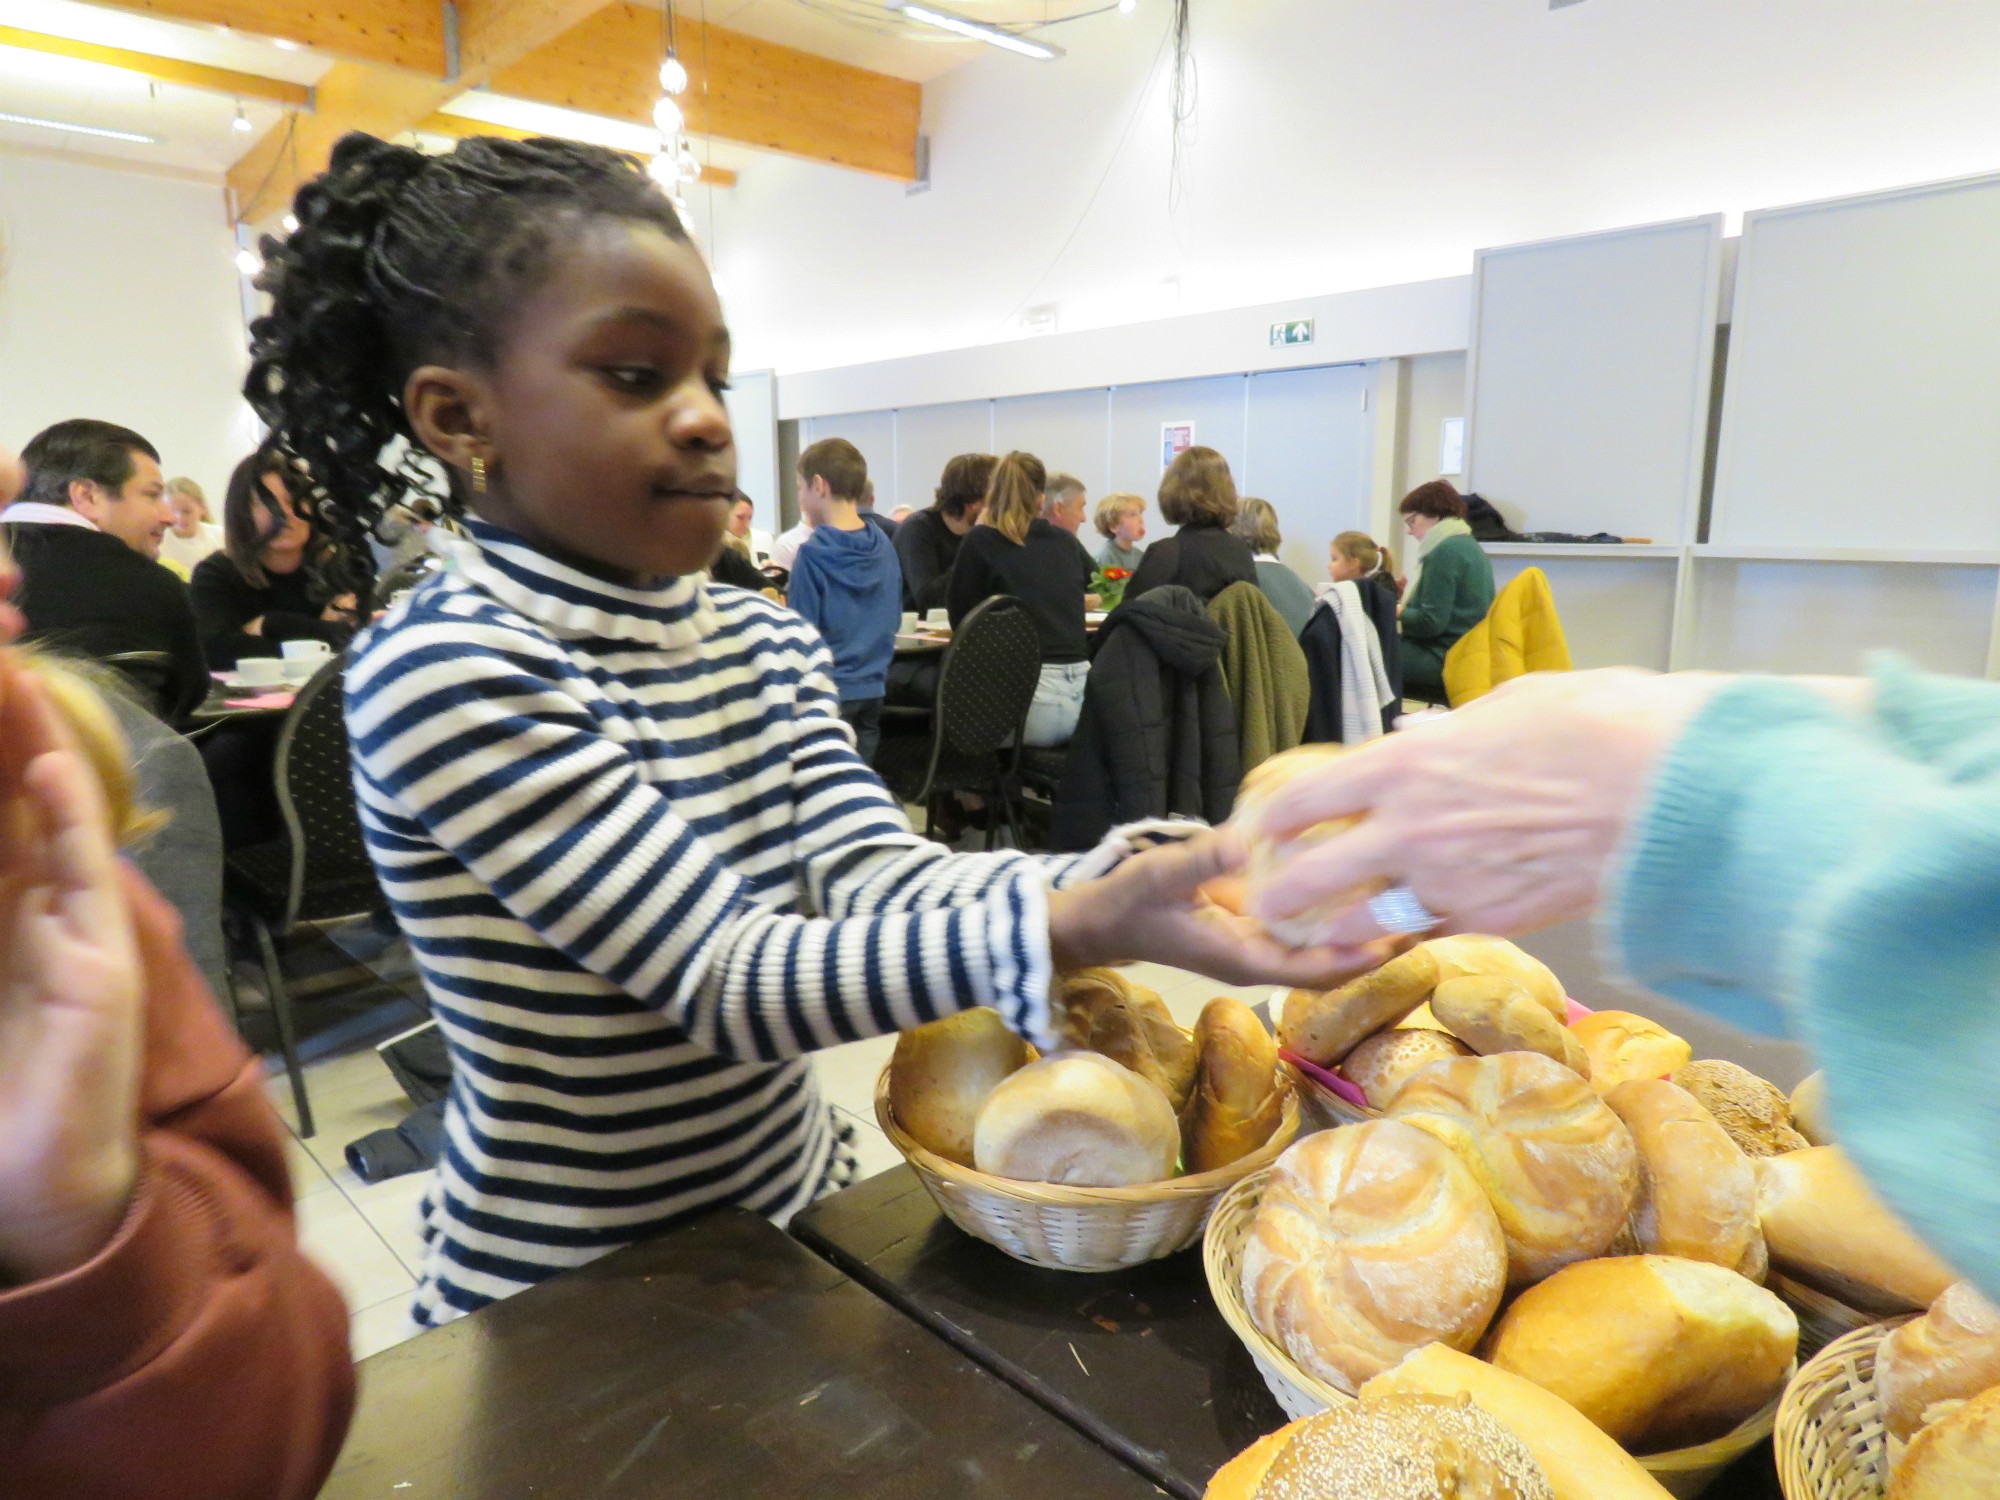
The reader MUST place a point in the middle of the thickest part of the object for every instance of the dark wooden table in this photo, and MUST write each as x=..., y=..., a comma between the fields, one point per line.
x=722, y=1359
x=1140, y=1360
x=216, y=707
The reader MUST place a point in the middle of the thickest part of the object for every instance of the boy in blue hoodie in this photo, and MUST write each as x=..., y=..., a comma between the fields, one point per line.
x=847, y=581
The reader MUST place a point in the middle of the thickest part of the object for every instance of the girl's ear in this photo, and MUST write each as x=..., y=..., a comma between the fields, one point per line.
x=450, y=412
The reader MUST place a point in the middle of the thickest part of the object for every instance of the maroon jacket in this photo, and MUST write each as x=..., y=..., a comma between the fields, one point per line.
x=200, y=1354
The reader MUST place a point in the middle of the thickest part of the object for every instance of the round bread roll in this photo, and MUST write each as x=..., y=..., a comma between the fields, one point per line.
x=1370, y=1240
x=1809, y=1109
x=1265, y=851
x=942, y=1072
x=1558, y=1166
x=1421, y=1019
x=1492, y=1014
x=1077, y=1118
x=1825, y=1226
x=1957, y=1457
x=1325, y=1028
x=1394, y=1448
x=1475, y=953
x=1578, y=1460
x=1236, y=1103
x=1380, y=1066
x=1756, y=1114
x=1659, y=1352
x=1105, y=1012
x=1623, y=1046
x=1951, y=1353
x=1697, y=1190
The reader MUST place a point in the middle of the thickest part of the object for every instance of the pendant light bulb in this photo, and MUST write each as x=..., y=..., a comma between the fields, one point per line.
x=291, y=223
x=667, y=117
x=248, y=261
x=687, y=167
x=674, y=75
x=1126, y=7
x=664, y=170
x=241, y=124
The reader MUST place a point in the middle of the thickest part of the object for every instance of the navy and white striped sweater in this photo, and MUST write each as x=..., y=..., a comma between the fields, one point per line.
x=599, y=814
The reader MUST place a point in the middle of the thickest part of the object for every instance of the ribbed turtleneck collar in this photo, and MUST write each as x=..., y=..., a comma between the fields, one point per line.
x=573, y=605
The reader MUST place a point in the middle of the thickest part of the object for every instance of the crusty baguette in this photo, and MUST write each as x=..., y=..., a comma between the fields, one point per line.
x=1476, y=953
x=1491, y=1013
x=1235, y=1103
x=1826, y=1227
x=1697, y=1190
x=1325, y=1028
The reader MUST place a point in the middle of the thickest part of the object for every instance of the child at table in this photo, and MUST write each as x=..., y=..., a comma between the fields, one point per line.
x=614, y=806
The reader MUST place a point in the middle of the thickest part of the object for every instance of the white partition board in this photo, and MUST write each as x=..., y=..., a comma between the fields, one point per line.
x=752, y=400
x=1216, y=407
x=873, y=432
x=927, y=438
x=1828, y=616
x=1615, y=612
x=1070, y=431
x=1588, y=378
x=1862, y=403
x=1311, y=453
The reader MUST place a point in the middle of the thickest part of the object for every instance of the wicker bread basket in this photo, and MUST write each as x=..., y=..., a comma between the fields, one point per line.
x=1683, y=1472
x=1831, y=1442
x=1080, y=1228
x=1323, y=1105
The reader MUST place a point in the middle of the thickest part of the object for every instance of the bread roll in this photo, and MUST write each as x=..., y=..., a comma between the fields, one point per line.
x=1077, y=1118
x=1396, y=1448
x=1266, y=851
x=1236, y=1103
x=1697, y=1190
x=1623, y=1046
x=1558, y=1166
x=942, y=1072
x=1491, y=1014
x=1473, y=953
x=1957, y=1457
x=1951, y=1353
x=1380, y=1066
x=1578, y=1460
x=1325, y=1028
x=1370, y=1240
x=1421, y=1019
x=1755, y=1113
x=1659, y=1352
x=1105, y=1012
x=1825, y=1227
x=1809, y=1109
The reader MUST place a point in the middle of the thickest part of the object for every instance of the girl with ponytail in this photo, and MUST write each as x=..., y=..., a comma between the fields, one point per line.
x=1014, y=551
x=613, y=804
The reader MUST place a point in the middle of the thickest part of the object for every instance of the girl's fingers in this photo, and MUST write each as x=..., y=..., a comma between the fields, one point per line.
x=1176, y=872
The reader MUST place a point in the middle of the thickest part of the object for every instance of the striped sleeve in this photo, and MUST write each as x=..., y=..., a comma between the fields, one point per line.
x=478, y=732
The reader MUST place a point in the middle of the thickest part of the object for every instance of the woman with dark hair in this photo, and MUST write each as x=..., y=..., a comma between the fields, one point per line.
x=1452, y=592
x=270, y=582
x=1198, y=495
x=927, y=544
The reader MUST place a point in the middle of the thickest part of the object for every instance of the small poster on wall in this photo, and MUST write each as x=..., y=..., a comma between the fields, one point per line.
x=1175, y=439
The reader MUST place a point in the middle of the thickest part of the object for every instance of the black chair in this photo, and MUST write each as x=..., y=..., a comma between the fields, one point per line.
x=319, y=870
x=151, y=674
x=985, y=683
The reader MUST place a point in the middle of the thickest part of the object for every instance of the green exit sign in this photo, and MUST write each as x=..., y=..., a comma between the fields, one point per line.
x=1297, y=331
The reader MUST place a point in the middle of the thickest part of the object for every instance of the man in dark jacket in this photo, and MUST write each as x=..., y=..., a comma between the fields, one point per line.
x=1158, y=732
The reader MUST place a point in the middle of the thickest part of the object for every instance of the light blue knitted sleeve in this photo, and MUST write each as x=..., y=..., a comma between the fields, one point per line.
x=1801, y=867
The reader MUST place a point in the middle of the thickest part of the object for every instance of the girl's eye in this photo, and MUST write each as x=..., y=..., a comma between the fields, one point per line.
x=719, y=384
x=634, y=380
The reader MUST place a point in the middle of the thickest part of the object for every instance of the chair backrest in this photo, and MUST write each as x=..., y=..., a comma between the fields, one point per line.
x=151, y=673
x=316, y=793
x=987, y=678
x=1521, y=633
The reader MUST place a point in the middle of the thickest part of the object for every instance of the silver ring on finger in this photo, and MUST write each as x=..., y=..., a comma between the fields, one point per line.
x=1399, y=911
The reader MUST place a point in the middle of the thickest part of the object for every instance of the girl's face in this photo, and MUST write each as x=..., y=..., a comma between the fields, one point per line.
x=1131, y=528
x=1343, y=568
x=601, y=422
x=188, y=513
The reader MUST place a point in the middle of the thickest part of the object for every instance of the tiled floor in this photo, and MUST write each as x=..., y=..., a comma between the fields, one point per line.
x=366, y=1237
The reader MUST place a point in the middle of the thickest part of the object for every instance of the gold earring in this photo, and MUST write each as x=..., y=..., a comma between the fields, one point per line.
x=478, y=475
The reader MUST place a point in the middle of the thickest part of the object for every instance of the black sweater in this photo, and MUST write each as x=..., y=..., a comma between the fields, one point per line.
x=1201, y=556
x=289, y=605
x=1049, y=572
x=927, y=548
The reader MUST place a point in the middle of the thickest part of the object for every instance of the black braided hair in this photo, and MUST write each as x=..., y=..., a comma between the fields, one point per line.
x=403, y=259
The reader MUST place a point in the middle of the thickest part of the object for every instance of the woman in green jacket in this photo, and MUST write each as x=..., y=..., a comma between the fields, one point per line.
x=1452, y=593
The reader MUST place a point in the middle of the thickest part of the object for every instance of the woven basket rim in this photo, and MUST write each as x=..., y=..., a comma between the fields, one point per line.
x=1830, y=1370
x=1059, y=1195
x=1306, y=1083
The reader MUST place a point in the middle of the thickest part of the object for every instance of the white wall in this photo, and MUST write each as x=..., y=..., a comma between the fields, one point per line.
x=120, y=301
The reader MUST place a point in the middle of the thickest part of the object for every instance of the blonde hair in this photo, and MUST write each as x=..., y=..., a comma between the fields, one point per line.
x=78, y=700
x=1114, y=508
x=1257, y=524
x=1197, y=487
x=1359, y=547
x=1014, y=495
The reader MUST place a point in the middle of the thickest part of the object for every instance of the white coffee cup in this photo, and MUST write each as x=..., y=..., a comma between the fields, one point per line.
x=261, y=671
x=306, y=650
x=300, y=670
x=937, y=618
x=908, y=624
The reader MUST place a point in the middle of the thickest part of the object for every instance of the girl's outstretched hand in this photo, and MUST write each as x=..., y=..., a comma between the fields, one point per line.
x=1151, y=908
x=71, y=1000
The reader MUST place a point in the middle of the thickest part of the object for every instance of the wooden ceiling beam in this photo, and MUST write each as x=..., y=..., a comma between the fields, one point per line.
x=163, y=69
x=458, y=127
x=391, y=33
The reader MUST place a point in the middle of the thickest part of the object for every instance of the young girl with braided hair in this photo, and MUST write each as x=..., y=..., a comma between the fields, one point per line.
x=614, y=806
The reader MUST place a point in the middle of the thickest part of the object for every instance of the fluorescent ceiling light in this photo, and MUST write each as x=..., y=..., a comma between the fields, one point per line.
x=71, y=129
x=549, y=119
x=979, y=31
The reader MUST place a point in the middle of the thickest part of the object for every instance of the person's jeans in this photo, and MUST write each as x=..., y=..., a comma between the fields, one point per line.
x=1057, y=704
x=864, y=717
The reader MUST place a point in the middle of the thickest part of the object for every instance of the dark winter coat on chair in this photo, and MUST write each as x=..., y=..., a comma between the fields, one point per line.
x=1158, y=732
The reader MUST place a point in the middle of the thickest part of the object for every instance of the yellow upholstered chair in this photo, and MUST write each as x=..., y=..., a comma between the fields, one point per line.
x=1521, y=633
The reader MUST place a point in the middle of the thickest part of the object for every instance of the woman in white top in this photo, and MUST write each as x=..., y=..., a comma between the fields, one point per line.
x=192, y=536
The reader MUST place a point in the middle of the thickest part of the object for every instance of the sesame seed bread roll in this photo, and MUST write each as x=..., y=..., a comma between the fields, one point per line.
x=1697, y=1190
x=1380, y=1066
x=1623, y=1046
x=1235, y=1105
x=1325, y=1028
x=1475, y=953
x=1825, y=1226
x=1951, y=1353
x=1578, y=1460
x=1755, y=1112
x=1558, y=1166
x=1107, y=1013
x=1492, y=1014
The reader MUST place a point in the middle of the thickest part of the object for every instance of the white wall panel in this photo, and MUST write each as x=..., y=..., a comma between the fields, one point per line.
x=1069, y=431
x=1311, y=454
x=1216, y=407
x=1615, y=612
x=873, y=432
x=753, y=417
x=927, y=438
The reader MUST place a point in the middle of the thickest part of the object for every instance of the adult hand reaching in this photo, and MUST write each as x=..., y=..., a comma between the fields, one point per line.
x=71, y=1000
x=1150, y=907
x=1502, y=816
